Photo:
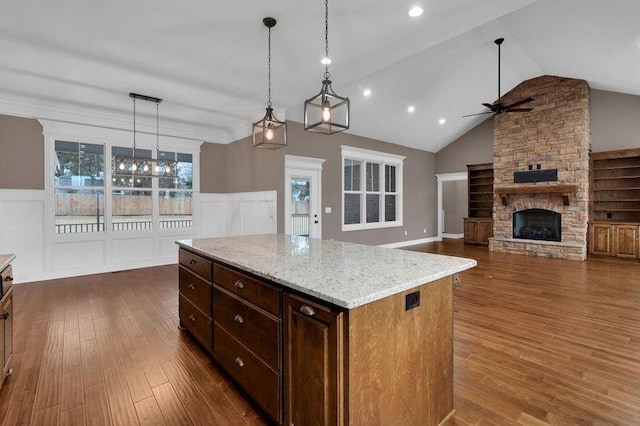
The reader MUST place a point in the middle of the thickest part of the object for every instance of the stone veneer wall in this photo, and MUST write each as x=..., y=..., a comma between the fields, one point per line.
x=556, y=135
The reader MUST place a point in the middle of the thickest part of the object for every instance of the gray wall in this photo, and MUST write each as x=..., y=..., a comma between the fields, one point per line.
x=454, y=204
x=22, y=158
x=615, y=124
x=249, y=169
x=474, y=147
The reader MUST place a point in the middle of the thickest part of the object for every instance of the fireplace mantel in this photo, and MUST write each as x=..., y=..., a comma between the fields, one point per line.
x=563, y=190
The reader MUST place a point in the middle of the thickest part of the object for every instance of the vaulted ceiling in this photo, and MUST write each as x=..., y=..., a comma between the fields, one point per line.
x=78, y=59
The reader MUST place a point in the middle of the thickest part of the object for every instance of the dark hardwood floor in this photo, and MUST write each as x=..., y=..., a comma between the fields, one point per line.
x=536, y=341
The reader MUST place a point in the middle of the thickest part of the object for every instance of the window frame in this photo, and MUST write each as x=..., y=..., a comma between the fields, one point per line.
x=366, y=156
x=109, y=138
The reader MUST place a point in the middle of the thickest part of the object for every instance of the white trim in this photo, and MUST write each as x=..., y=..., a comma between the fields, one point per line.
x=446, y=177
x=452, y=236
x=411, y=242
x=384, y=159
x=309, y=163
x=367, y=154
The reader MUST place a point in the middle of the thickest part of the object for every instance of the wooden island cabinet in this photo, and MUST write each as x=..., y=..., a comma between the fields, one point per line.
x=6, y=315
x=316, y=335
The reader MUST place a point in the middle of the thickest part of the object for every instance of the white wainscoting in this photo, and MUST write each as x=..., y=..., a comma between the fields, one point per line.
x=42, y=255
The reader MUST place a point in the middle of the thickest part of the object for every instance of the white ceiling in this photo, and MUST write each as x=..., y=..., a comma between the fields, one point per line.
x=207, y=59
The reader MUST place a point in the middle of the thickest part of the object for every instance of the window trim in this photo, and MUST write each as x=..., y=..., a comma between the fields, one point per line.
x=382, y=158
x=109, y=137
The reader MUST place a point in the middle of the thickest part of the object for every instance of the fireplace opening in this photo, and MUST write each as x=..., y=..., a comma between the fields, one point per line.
x=537, y=224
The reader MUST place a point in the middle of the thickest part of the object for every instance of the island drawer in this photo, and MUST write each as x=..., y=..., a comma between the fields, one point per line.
x=196, y=322
x=256, y=329
x=255, y=291
x=260, y=381
x=197, y=264
x=7, y=279
x=196, y=289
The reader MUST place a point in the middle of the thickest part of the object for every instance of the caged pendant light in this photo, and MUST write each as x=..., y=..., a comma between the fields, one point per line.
x=269, y=132
x=326, y=112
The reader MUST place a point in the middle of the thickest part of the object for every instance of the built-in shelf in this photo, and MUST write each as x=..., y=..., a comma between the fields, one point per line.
x=615, y=189
x=563, y=190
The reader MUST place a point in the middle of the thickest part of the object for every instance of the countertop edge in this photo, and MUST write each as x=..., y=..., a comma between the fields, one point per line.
x=7, y=261
x=350, y=304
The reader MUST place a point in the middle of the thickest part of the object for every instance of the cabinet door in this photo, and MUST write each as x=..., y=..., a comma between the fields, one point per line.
x=470, y=231
x=485, y=231
x=626, y=241
x=312, y=364
x=601, y=239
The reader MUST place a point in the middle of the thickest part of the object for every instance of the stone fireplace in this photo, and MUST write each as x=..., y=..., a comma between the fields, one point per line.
x=556, y=135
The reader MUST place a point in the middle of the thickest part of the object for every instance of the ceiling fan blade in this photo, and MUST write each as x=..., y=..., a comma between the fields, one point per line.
x=480, y=113
x=520, y=102
x=519, y=109
x=490, y=106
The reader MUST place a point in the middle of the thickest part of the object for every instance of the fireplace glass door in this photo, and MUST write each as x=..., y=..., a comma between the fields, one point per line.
x=537, y=224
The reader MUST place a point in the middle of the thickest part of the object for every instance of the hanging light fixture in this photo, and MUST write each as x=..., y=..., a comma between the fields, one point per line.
x=326, y=112
x=148, y=167
x=269, y=132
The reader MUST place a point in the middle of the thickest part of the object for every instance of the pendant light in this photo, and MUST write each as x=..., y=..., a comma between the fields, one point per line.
x=326, y=112
x=146, y=167
x=269, y=132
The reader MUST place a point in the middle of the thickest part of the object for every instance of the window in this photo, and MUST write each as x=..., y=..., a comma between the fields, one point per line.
x=372, y=189
x=78, y=187
x=90, y=192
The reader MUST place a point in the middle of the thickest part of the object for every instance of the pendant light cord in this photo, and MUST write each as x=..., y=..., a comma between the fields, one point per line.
x=157, y=131
x=134, y=127
x=326, y=37
x=269, y=72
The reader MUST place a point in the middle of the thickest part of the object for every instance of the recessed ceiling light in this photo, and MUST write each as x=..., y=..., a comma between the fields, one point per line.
x=442, y=121
x=411, y=109
x=366, y=92
x=325, y=61
x=415, y=11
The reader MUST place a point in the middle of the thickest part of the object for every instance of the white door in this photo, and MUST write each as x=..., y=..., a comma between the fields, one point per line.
x=303, y=196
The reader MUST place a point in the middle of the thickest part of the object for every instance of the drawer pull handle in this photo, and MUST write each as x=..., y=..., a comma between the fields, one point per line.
x=192, y=286
x=4, y=316
x=192, y=262
x=307, y=310
x=239, y=362
x=238, y=319
x=192, y=318
x=239, y=284
x=9, y=278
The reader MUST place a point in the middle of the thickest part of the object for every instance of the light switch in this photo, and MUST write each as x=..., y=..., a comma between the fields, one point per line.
x=327, y=209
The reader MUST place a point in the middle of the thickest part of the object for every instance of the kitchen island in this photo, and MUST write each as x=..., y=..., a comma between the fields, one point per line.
x=325, y=332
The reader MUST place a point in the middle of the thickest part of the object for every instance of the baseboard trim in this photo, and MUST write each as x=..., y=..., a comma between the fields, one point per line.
x=411, y=242
x=455, y=236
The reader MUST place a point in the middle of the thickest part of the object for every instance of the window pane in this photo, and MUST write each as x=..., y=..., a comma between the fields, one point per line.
x=129, y=172
x=184, y=171
x=78, y=164
x=390, y=178
x=373, y=177
x=351, y=208
x=79, y=210
x=351, y=175
x=120, y=181
x=373, y=208
x=175, y=209
x=390, y=202
x=131, y=210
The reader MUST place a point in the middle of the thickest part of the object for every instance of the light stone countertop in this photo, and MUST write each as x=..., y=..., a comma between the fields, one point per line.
x=345, y=274
x=5, y=259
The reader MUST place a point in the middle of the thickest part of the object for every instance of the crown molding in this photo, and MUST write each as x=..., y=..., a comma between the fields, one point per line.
x=29, y=107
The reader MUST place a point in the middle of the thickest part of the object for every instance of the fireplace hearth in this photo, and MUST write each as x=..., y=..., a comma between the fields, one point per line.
x=537, y=224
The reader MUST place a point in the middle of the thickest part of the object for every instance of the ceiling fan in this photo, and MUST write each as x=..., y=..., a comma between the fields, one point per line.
x=499, y=107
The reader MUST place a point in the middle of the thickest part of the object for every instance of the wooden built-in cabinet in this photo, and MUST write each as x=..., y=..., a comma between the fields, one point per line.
x=6, y=322
x=478, y=225
x=309, y=362
x=614, y=214
x=195, y=278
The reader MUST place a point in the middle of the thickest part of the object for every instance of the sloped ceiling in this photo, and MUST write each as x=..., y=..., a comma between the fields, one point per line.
x=207, y=59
